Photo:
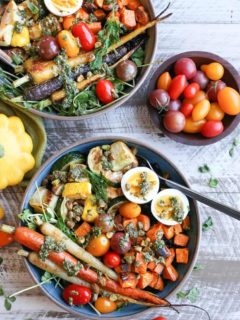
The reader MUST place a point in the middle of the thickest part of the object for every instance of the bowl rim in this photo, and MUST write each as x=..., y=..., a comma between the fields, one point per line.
x=145, y=145
x=191, y=54
x=146, y=72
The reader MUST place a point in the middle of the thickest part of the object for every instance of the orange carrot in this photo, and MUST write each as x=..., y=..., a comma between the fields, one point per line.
x=34, y=240
x=83, y=229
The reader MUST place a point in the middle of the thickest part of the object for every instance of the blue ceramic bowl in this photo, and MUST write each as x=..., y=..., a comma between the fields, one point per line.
x=166, y=166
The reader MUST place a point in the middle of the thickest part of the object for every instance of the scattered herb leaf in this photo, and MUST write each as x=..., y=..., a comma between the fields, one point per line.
x=190, y=295
x=203, y=169
x=235, y=144
x=32, y=7
x=213, y=182
x=207, y=224
x=138, y=56
x=198, y=267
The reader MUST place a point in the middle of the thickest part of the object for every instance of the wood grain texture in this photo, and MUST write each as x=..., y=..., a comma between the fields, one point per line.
x=195, y=25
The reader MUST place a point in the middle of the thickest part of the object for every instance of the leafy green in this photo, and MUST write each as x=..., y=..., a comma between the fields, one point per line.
x=62, y=226
x=17, y=58
x=47, y=276
x=99, y=184
x=190, y=295
x=207, y=224
x=86, y=100
x=32, y=7
x=213, y=182
x=235, y=144
x=203, y=169
x=8, y=302
x=198, y=267
x=138, y=56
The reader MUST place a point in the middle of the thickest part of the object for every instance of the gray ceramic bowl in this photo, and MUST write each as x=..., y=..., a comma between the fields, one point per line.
x=131, y=311
x=151, y=46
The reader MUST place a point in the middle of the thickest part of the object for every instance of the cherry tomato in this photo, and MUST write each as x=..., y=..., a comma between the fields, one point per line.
x=68, y=21
x=200, y=95
x=191, y=90
x=214, y=71
x=177, y=86
x=229, y=101
x=130, y=210
x=213, y=88
x=112, y=259
x=126, y=70
x=105, y=91
x=212, y=128
x=105, y=305
x=174, y=121
x=105, y=222
x=67, y=42
x=159, y=99
x=186, y=109
x=98, y=246
x=160, y=318
x=48, y=48
x=174, y=105
x=185, y=66
x=215, y=112
x=193, y=126
x=5, y=239
x=201, y=79
x=77, y=295
x=85, y=35
x=164, y=81
x=120, y=243
x=201, y=110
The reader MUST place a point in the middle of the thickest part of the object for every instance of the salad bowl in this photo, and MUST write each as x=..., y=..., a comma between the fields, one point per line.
x=127, y=312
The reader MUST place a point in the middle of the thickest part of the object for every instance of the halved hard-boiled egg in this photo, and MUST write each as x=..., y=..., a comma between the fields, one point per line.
x=170, y=206
x=63, y=8
x=140, y=185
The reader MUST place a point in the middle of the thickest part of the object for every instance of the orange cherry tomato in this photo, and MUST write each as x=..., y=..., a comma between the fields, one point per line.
x=199, y=96
x=130, y=210
x=68, y=22
x=98, y=246
x=214, y=71
x=67, y=42
x=164, y=81
x=229, y=101
x=105, y=305
x=201, y=110
x=193, y=126
x=5, y=239
x=215, y=112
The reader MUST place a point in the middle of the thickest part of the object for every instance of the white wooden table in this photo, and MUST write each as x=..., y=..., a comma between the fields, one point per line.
x=210, y=25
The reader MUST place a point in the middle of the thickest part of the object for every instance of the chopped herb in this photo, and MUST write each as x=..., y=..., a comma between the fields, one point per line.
x=106, y=165
x=177, y=208
x=144, y=185
x=50, y=245
x=198, y=267
x=213, y=182
x=47, y=276
x=32, y=7
x=96, y=231
x=235, y=143
x=207, y=224
x=18, y=27
x=138, y=56
x=203, y=169
x=17, y=58
x=190, y=295
x=72, y=269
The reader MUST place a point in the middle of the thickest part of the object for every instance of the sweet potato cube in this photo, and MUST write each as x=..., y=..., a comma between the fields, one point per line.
x=186, y=223
x=142, y=16
x=145, y=280
x=178, y=228
x=133, y=223
x=133, y=4
x=158, y=268
x=169, y=260
x=140, y=263
x=152, y=233
x=181, y=240
x=168, y=232
x=128, y=18
x=144, y=219
x=170, y=273
x=127, y=280
x=182, y=255
x=157, y=282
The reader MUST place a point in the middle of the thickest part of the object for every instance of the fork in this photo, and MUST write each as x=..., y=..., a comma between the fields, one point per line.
x=191, y=193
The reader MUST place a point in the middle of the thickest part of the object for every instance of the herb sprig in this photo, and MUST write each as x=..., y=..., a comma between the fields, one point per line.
x=191, y=295
x=212, y=182
x=207, y=224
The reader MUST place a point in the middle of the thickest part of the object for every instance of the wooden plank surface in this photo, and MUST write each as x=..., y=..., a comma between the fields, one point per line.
x=196, y=25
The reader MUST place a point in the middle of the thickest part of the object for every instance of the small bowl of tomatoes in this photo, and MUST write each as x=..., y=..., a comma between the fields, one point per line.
x=193, y=97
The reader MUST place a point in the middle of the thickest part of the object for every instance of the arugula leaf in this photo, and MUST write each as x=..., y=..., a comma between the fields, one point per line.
x=190, y=295
x=207, y=224
x=198, y=267
x=138, y=56
x=203, y=169
x=32, y=7
x=99, y=184
x=213, y=182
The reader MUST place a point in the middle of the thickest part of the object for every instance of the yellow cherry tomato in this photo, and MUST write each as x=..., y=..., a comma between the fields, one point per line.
x=229, y=101
x=130, y=210
x=67, y=42
x=201, y=110
x=215, y=112
x=214, y=71
x=193, y=126
x=105, y=305
x=199, y=96
x=2, y=213
x=98, y=246
x=164, y=81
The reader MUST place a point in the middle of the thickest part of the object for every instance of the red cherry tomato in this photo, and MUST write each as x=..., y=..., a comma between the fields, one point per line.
x=212, y=128
x=112, y=259
x=185, y=66
x=186, y=109
x=160, y=318
x=177, y=86
x=191, y=90
x=77, y=295
x=104, y=91
x=85, y=35
x=5, y=239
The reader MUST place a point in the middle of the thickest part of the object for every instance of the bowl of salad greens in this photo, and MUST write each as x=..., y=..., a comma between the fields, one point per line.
x=75, y=66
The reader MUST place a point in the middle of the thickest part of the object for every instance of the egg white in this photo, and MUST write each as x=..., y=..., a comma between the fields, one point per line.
x=150, y=195
x=170, y=193
x=66, y=12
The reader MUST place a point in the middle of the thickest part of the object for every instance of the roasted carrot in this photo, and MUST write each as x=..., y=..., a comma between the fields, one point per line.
x=181, y=240
x=34, y=240
x=83, y=229
x=182, y=255
x=144, y=219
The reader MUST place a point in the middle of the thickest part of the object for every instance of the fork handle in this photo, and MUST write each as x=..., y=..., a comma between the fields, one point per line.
x=199, y=197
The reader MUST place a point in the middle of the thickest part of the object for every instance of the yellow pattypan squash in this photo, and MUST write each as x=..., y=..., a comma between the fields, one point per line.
x=20, y=39
x=15, y=151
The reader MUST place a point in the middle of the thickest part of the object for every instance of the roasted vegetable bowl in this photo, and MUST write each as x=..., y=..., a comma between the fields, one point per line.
x=74, y=66
x=92, y=240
